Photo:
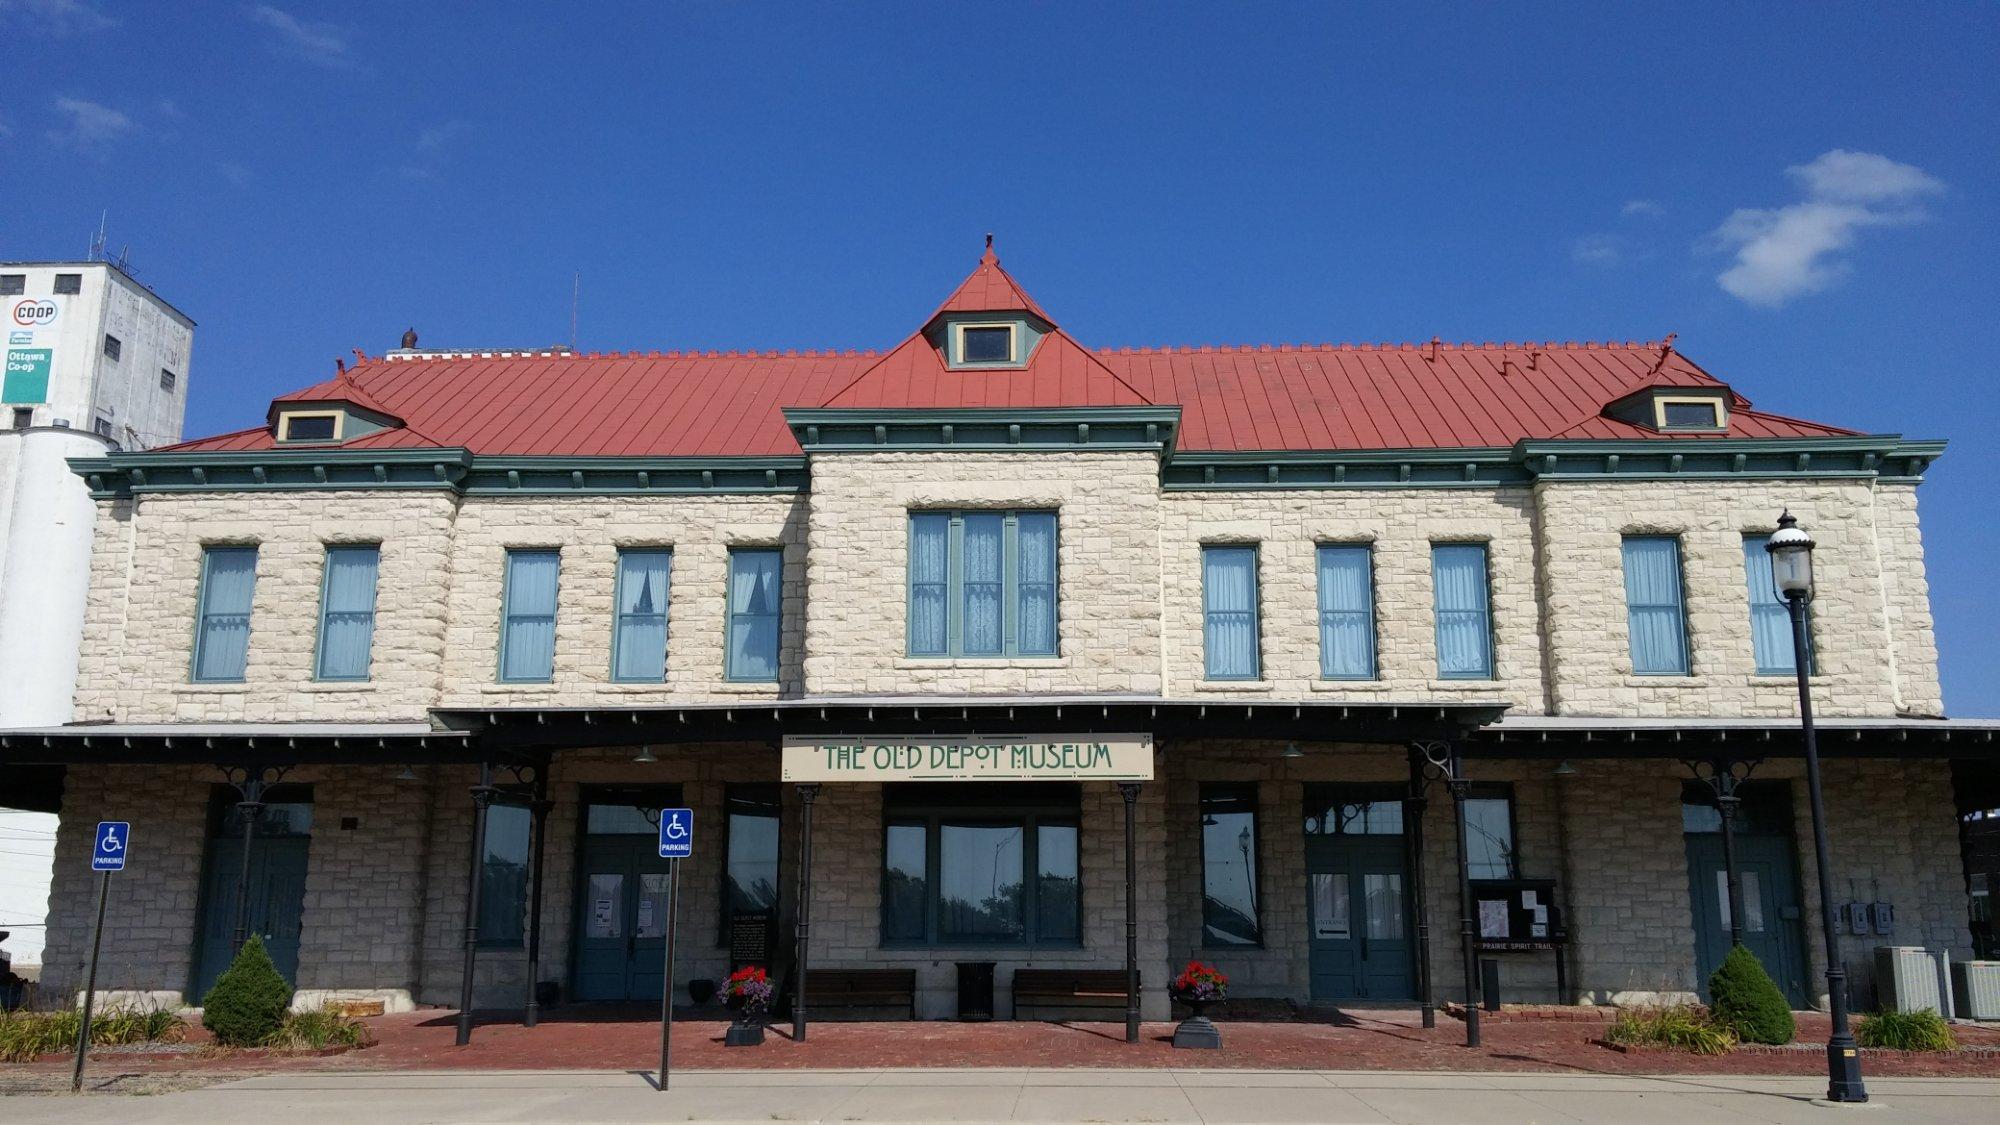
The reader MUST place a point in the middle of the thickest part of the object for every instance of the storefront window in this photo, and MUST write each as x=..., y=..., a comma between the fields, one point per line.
x=750, y=877
x=1489, y=834
x=503, y=885
x=1229, y=866
x=957, y=860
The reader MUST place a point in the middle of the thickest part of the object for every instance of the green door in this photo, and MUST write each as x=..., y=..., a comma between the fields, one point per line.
x=1771, y=907
x=621, y=923
x=277, y=898
x=1356, y=918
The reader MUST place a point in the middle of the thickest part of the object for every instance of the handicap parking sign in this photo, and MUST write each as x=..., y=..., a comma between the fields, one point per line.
x=114, y=839
x=676, y=833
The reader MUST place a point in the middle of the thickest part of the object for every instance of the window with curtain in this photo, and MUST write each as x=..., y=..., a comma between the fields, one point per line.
x=1770, y=618
x=1229, y=915
x=503, y=884
x=1464, y=615
x=347, y=612
x=222, y=626
x=1654, y=615
x=756, y=589
x=1229, y=612
x=750, y=866
x=1000, y=868
x=528, y=616
x=639, y=634
x=982, y=584
x=1346, y=612
x=1489, y=833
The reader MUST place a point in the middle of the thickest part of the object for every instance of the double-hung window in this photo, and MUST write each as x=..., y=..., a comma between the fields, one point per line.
x=1770, y=617
x=756, y=594
x=1346, y=612
x=1229, y=866
x=222, y=629
x=1464, y=613
x=528, y=616
x=1229, y=612
x=1654, y=614
x=982, y=584
x=347, y=612
x=639, y=632
x=1489, y=833
x=999, y=867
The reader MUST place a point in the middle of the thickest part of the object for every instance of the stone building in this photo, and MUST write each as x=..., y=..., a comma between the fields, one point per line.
x=1042, y=650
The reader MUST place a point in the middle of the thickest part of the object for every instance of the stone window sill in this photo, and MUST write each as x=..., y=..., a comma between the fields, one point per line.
x=1633, y=679
x=1490, y=686
x=1341, y=685
x=1227, y=686
x=545, y=687
x=729, y=688
x=954, y=662
x=212, y=689
x=338, y=686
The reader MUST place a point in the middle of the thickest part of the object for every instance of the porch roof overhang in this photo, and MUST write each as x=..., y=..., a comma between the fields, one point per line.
x=266, y=744
x=1563, y=736
x=542, y=729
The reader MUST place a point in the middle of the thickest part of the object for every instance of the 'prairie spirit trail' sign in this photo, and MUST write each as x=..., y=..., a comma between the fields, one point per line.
x=1032, y=757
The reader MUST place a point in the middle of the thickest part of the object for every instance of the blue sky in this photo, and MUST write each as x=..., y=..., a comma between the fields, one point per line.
x=1805, y=193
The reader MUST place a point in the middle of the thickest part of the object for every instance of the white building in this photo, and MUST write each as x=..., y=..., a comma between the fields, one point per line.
x=95, y=361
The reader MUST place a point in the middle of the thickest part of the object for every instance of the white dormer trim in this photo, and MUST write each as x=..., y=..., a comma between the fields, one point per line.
x=287, y=417
x=1717, y=404
x=1013, y=328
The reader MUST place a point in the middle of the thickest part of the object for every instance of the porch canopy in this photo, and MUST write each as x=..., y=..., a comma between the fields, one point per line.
x=1549, y=736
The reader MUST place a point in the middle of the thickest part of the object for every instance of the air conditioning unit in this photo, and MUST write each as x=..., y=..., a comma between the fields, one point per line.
x=1910, y=978
x=1978, y=986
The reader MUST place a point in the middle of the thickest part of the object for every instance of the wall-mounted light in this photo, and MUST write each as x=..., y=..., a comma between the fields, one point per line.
x=645, y=754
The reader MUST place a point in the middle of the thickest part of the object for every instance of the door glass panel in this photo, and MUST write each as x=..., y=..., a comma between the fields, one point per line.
x=1385, y=905
x=652, y=905
x=1753, y=900
x=607, y=914
x=1329, y=902
x=613, y=820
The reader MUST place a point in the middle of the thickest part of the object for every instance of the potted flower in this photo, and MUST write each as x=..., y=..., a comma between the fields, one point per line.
x=747, y=993
x=1198, y=986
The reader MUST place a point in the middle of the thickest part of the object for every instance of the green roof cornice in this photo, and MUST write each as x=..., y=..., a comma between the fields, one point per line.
x=1354, y=468
x=1886, y=457
x=454, y=470
x=987, y=429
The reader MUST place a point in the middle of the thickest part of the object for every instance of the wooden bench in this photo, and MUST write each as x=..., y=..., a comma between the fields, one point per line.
x=861, y=994
x=1098, y=990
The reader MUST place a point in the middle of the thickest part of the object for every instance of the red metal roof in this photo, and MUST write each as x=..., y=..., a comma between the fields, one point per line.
x=1262, y=397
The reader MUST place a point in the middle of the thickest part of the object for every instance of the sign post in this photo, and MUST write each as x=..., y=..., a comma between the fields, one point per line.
x=113, y=841
x=676, y=844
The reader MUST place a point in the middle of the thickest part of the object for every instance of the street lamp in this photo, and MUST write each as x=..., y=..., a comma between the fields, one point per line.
x=1791, y=569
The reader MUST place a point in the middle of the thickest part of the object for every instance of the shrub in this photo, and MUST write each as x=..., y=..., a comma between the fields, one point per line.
x=1905, y=1031
x=247, y=1005
x=1681, y=1027
x=24, y=1035
x=136, y=1025
x=1748, y=1002
x=319, y=1029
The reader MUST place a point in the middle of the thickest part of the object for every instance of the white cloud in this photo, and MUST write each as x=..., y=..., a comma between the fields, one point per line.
x=1789, y=251
x=1646, y=207
x=89, y=124
x=57, y=17
x=1597, y=250
x=322, y=43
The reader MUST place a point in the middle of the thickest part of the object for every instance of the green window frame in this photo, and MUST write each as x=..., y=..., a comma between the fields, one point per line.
x=1491, y=832
x=1771, y=617
x=752, y=849
x=1655, y=610
x=754, y=635
x=1346, y=611
x=531, y=592
x=503, y=880
x=1230, y=836
x=223, y=604
x=983, y=583
x=1232, y=626
x=344, y=647
x=639, y=615
x=1462, y=600
x=926, y=825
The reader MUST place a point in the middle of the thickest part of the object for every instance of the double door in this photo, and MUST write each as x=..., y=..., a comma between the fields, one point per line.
x=1358, y=918
x=621, y=925
x=276, y=905
x=1771, y=909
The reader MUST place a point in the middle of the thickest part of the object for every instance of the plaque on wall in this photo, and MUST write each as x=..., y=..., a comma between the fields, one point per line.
x=749, y=939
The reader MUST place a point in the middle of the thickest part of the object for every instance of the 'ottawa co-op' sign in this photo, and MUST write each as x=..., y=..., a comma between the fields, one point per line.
x=1034, y=757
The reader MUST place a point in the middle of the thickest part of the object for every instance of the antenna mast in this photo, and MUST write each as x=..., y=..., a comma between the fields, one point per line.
x=575, y=289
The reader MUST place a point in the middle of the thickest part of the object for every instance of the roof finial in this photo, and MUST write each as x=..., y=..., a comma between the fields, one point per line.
x=989, y=240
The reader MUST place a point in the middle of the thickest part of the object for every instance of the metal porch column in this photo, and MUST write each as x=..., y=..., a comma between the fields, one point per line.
x=1459, y=785
x=540, y=810
x=1413, y=821
x=250, y=783
x=482, y=799
x=1130, y=791
x=1722, y=776
x=807, y=794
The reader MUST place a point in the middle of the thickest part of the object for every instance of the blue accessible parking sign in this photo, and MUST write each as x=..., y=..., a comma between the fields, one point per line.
x=114, y=839
x=676, y=833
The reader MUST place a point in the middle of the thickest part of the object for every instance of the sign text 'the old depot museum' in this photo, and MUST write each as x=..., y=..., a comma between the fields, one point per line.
x=1094, y=757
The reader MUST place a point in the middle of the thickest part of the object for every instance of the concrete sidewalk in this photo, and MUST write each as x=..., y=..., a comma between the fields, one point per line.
x=968, y=1096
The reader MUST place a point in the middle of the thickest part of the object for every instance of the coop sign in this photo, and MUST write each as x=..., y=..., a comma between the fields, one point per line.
x=1035, y=757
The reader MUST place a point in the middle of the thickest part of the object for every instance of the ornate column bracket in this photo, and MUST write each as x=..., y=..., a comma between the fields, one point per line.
x=250, y=783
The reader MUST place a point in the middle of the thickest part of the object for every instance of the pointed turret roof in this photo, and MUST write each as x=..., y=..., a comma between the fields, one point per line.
x=990, y=289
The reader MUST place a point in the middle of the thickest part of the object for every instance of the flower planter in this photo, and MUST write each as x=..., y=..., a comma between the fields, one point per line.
x=747, y=993
x=746, y=1031
x=1197, y=1032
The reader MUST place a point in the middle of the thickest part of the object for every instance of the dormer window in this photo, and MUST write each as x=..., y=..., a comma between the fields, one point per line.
x=317, y=425
x=986, y=344
x=1674, y=412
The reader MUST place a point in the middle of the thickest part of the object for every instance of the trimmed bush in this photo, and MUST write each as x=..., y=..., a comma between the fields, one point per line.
x=1681, y=1027
x=318, y=1029
x=1744, y=999
x=1905, y=1031
x=247, y=1005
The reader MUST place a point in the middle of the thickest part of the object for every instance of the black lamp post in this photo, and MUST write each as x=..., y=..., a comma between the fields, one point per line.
x=1791, y=569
